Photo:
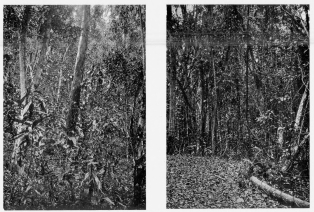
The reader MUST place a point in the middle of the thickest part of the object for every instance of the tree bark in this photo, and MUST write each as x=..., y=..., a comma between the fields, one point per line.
x=78, y=74
x=44, y=37
x=140, y=160
x=247, y=82
x=213, y=139
x=60, y=74
x=202, y=122
x=279, y=194
x=296, y=145
x=22, y=51
x=23, y=91
x=300, y=110
x=171, y=77
x=258, y=97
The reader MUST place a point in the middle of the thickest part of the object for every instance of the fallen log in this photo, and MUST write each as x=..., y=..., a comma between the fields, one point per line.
x=279, y=194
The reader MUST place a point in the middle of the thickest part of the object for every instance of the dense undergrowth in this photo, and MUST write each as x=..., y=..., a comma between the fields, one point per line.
x=213, y=182
x=52, y=192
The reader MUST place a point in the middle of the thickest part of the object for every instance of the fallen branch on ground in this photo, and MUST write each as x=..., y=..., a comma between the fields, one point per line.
x=279, y=194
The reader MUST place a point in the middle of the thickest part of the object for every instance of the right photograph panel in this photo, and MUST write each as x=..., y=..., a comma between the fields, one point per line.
x=237, y=106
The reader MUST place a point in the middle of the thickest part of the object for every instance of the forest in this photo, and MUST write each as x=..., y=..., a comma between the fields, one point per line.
x=237, y=106
x=74, y=107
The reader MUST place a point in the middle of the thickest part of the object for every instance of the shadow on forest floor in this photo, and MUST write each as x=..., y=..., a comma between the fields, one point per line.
x=202, y=182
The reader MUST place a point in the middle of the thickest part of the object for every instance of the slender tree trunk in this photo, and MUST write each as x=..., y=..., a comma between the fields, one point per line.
x=22, y=64
x=171, y=77
x=296, y=145
x=301, y=108
x=78, y=74
x=213, y=127
x=60, y=73
x=279, y=194
x=247, y=84
x=198, y=112
x=22, y=51
x=140, y=160
x=202, y=107
x=247, y=67
x=44, y=37
x=239, y=133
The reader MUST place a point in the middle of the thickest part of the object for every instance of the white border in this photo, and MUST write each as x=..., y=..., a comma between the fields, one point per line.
x=156, y=89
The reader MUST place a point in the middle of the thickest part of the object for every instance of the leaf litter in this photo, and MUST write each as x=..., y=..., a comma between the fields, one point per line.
x=209, y=182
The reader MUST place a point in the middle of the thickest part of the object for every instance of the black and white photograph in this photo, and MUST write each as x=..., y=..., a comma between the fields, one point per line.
x=237, y=106
x=74, y=107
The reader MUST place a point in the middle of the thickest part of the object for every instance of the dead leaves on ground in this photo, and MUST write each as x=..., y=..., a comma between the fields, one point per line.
x=200, y=182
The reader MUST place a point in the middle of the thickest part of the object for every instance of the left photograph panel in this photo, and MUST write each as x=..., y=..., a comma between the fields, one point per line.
x=74, y=107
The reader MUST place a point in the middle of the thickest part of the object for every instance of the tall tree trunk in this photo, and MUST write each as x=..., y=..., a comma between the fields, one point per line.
x=301, y=108
x=213, y=127
x=22, y=61
x=288, y=164
x=258, y=97
x=60, y=73
x=247, y=83
x=78, y=74
x=202, y=108
x=239, y=127
x=171, y=77
x=44, y=37
x=22, y=51
x=140, y=160
x=9, y=90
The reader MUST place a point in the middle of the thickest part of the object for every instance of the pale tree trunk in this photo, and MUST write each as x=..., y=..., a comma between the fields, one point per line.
x=214, y=112
x=44, y=37
x=300, y=109
x=279, y=194
x=214, y=105
x=22, y=64
x=60, y=73
x=141, y=121
x=202, y=118
x=296, y=145
x=198, y=111
x=78, y=74
x=184, y=12
x=247, y=82
x=208, y=20
x=140, y=160
x=239, y=125
x=171, y=78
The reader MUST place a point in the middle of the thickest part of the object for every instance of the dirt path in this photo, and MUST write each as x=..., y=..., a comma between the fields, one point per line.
x=199, y=182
